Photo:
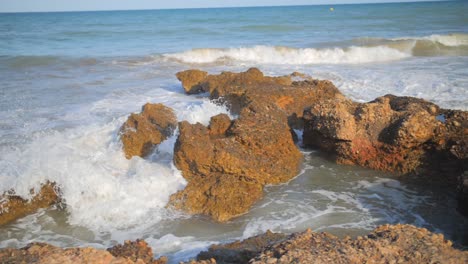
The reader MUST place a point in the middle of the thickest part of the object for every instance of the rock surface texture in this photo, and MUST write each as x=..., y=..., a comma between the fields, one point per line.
x=142, y=132
x=227, y=163
x=129, y=253
x=13, y=207
x=386, y=244
x=397, y=134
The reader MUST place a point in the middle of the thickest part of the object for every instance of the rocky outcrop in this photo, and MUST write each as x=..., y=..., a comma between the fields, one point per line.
x=241, y=251
x=291, y=93
x=398, y=134
x=386, y=244
x=13, y=207
x=142, y=132
x=228, y=163
x=129, y=253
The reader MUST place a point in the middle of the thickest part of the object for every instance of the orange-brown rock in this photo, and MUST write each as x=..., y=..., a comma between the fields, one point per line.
x=228, y=163
x=386, y=244
x=142, y=132
x=130, y=253
x=13, y=207
x=400, y=134
x=291, y=93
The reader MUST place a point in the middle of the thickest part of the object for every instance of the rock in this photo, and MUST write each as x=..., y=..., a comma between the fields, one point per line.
x=191, y=80
x=13, y=207
x=239, y=89
x=228, y=163
x=398, y=134
x=136, y=251
x=386, y=244
x=241, y=251
x=142, y=132
x=129, y=253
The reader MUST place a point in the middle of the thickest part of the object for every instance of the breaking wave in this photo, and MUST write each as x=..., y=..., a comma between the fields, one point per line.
x=361, y=50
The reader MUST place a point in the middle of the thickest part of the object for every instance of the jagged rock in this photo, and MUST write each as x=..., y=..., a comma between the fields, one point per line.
x=13, y=207
x=386, y=244
x=398, y=134
x=136, y=251
x=129, y=253
x=246, y=153
x=239, y=89
x=142, y=132
x=228, y=163
x=241, y=251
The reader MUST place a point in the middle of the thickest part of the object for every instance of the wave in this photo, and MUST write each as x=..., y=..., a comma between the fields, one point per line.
x=361, y=50
x=24, y=61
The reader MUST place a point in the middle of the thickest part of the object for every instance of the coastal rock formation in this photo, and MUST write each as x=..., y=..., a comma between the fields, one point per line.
x=398, y=134
x=386, y=244
x=13, y=207
x=228, y=163
x=129, y=253
x=291, y=93
x=142, y=132
x=241, y=251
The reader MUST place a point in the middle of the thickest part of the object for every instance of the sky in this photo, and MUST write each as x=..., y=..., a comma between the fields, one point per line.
x=89, y=5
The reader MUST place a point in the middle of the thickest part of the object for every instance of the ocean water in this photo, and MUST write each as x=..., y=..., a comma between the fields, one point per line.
x=69, y=80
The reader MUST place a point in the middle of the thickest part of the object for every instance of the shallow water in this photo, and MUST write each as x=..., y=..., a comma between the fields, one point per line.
x=69, y=80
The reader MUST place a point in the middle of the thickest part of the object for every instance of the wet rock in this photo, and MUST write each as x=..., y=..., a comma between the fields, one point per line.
x=241, y=251
x=386, y=244
x=13, y=207
x=142, y=132
x=129, y=253
x=398, y=134
x=136, y=251
x=239, y=89
x=191, y=80
x=227, y=163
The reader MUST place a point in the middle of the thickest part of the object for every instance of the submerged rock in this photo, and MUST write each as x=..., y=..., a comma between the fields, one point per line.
x=129, y=253
x=398, y=134
x=142, y=132
x=462, y=193
x=386, y=244
x=13, y=207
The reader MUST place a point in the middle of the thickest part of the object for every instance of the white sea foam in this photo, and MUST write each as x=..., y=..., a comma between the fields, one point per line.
x=287, y=55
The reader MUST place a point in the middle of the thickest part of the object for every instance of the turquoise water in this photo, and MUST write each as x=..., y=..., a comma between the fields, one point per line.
x=69, y=80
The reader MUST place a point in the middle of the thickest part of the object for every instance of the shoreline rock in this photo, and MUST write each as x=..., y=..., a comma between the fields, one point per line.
x=142, y=132
x=13, y=207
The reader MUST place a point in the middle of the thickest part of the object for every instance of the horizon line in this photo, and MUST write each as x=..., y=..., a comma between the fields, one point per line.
x=224, y=7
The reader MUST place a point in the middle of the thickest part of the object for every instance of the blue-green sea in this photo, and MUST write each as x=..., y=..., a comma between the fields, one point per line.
x=69, y=80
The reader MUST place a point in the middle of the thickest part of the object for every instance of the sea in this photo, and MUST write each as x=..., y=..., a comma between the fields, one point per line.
x=69, y=80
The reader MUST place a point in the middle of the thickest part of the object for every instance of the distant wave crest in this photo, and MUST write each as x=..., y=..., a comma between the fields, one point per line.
x=361, y=50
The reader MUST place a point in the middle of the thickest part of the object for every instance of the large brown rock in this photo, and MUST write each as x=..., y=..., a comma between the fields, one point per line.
x=228, y=163
x=129, y=253
x=142, y=132
x=398, y=134
x=13, y=207
x=386, y=244
x=291, y=93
